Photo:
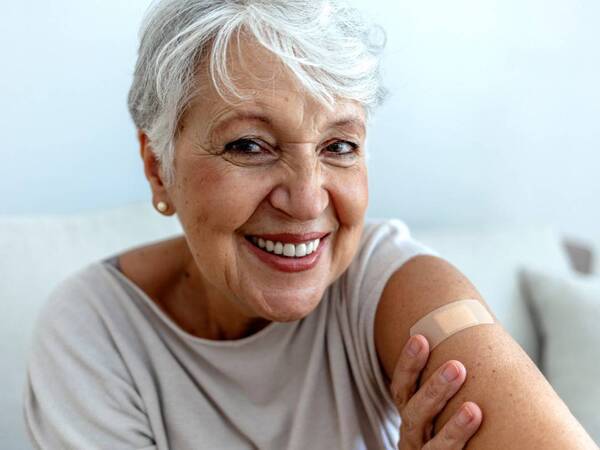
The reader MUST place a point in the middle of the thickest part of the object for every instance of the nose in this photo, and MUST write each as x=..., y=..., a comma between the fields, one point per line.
x=301, y=194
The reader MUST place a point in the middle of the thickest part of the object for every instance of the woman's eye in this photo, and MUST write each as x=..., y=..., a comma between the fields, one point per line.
x=243, y=147
x=342, y=148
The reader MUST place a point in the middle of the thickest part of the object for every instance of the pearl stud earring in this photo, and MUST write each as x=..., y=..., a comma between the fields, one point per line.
x=162, y=207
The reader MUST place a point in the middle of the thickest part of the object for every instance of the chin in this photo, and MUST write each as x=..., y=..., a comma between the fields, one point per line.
x=290, y=306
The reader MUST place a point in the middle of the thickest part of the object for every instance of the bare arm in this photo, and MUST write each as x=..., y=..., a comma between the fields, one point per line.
x=521, y=410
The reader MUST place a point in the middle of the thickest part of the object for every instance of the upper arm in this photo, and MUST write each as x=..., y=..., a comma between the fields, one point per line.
x=78, y=391
x=520, y=408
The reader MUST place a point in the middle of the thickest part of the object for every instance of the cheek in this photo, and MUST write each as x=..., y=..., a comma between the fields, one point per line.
x=350, y=195
x=218, y=197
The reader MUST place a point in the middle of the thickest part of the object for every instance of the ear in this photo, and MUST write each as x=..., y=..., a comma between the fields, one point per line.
x=153, y=173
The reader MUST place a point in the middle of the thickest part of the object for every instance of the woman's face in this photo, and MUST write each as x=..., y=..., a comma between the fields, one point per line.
x=278, y=171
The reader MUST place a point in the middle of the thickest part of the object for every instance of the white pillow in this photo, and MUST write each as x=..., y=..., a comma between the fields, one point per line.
x=567, y=311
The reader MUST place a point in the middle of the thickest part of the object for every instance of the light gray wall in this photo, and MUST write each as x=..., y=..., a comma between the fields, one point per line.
x=68, y=143
x=494, y=115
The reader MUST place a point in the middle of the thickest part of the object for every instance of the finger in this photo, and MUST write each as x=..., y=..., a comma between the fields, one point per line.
x=408, y=368
x=429, y=400
x=458, y=430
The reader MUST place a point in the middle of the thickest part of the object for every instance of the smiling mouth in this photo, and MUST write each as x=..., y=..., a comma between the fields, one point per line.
x=285, y=249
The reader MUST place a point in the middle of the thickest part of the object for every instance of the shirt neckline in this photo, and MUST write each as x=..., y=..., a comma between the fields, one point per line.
x=116, y=273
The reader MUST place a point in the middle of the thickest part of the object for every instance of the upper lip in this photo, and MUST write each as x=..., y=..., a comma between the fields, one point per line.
x=292, y=238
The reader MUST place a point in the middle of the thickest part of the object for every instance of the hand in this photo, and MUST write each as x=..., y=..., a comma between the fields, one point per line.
x=419, y=410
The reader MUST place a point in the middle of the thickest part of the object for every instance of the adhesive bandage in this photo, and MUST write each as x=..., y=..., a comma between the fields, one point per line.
x=443, y=322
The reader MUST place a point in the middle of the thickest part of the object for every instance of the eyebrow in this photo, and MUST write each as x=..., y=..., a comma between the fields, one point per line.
x=344, y=122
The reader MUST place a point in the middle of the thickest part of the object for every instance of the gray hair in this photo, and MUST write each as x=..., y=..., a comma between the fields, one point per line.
x=326, y=44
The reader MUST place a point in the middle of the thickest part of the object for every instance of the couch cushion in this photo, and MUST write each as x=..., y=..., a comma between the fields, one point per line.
x=490, y=257
x=38, y=252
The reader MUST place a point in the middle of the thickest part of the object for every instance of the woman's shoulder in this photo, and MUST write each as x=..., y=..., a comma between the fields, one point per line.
x=72, y=291
x=386, y=242
x=153, y=267
x=74, y=307
x=91, y=292
x=385, y=246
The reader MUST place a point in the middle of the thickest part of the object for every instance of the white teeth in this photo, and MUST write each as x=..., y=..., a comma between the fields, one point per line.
x=301, y=250
x=289, y=250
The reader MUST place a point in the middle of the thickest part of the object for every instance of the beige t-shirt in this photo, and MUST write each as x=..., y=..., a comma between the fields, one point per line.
x=107, y=369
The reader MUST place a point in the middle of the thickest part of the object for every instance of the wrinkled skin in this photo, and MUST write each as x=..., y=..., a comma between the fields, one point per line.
x=300, y=174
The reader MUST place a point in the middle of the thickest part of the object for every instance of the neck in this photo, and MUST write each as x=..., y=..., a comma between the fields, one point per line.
x=201, y=310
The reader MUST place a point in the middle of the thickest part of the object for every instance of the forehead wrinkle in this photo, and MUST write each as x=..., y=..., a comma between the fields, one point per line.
x=278, y=98
x=350, y=122
x=241, y=116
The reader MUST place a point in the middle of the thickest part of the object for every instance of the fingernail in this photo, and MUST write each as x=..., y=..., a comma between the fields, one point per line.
x=450, y=372
x=464, y=417
x=414, y=347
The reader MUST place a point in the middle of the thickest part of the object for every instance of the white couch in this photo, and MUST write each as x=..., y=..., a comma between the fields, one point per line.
x=37, y=252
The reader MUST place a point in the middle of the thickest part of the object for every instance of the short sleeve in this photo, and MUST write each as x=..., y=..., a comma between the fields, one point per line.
x=384, y=248
x=78, y=393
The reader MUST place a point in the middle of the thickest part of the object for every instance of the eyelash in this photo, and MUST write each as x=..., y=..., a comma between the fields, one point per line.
x=229, y=148
x=353, y=146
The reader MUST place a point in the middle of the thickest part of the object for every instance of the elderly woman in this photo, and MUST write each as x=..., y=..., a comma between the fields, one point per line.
x=279, y=320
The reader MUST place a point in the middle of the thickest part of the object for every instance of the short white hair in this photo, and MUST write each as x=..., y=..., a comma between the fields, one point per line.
x=326, y=44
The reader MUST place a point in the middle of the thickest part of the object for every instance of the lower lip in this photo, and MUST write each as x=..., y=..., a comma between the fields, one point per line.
x=287, y=264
